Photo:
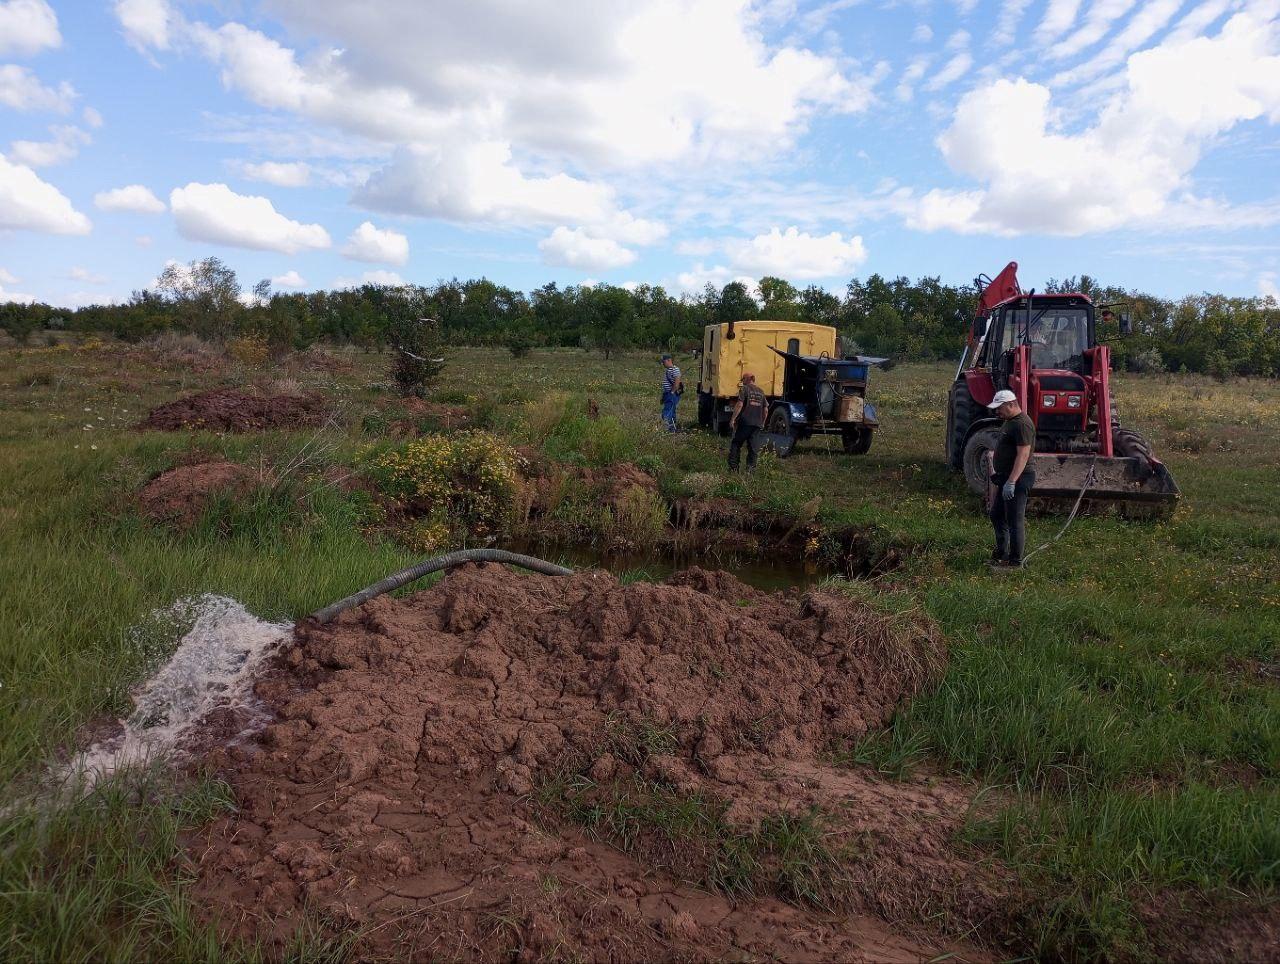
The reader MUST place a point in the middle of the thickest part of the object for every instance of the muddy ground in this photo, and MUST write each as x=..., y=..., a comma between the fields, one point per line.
x=571, y=768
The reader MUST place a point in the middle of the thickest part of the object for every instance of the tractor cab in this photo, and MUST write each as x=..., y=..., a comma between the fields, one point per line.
x=1046, y=342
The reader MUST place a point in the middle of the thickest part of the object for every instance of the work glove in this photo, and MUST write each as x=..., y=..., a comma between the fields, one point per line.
x=1009, y=490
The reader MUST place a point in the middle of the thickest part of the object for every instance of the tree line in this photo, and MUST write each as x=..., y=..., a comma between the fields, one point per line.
x=895, y=317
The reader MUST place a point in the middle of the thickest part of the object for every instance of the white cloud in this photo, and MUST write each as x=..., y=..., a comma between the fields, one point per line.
x=87, y=276
x=1007, y=22
x=381, y=246
x=65, y=145
x=290, y=279
x=7, y=277
x=292, y=174
x=26, y=202
x=1267, y=285
x=1133, y=166
x=22, y=90
x=922, y=34
x=215, y=213
x=479, y=183
x=1097, y=22
x=146, y=23
x=696, y=248
x=794, y=254
x=1058, y=16
x=953, y=70
x=144, y=241
x=699, y=276
x=27, y=27
x=1149, y=19
x=379, y=277
x=516, y=114
x=134, y=198
x=16, y=297
x=92, y=118
x=577, y=249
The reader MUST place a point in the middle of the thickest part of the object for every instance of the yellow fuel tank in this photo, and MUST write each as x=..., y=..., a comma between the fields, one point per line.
x=734, y=347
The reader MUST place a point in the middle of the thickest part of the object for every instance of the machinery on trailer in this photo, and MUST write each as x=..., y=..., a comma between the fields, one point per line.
x=1044, y=349
x=811, y=390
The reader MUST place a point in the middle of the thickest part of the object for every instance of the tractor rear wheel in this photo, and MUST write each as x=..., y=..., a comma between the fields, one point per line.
x=975, y=458
x=1127, y=443
x=856, y=439
x=961, y=412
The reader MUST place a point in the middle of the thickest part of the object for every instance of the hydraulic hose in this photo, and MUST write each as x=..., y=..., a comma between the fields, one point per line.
x=435, y=564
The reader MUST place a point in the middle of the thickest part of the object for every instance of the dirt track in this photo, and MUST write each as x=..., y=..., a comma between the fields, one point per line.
x=398, y=790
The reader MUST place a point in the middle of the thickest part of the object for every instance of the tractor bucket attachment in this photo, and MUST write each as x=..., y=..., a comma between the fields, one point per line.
x=1126, y=482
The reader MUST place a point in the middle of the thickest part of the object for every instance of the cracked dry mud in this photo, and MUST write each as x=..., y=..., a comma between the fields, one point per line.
x=392, y=797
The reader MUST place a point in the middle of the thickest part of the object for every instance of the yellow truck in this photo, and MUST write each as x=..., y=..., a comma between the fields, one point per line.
x=811, y=390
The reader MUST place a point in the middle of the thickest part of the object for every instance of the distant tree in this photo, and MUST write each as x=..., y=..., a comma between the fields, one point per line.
x=736, y=304
x=609, y=318
x=417, y=362
x=781, y=300
x=205, y=294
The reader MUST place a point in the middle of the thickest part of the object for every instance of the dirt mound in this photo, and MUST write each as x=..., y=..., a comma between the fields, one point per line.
x=228, y=410
x=180, y=496
x=612, y=482
x=430, y=754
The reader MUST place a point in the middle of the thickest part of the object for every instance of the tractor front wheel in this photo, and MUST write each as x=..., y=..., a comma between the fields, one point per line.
x=856, y=439
x=975, y=458
x=779, y=422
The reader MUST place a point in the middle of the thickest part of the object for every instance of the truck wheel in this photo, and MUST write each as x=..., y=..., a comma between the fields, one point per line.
x=779, y=422
x=857, y=440
x=706, y=409
x=961, y=410
x=975, y=458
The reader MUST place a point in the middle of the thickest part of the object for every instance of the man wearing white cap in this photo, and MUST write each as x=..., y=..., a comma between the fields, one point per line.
x=1011, y=479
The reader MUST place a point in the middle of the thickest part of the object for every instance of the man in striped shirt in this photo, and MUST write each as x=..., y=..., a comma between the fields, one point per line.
x=672, y=387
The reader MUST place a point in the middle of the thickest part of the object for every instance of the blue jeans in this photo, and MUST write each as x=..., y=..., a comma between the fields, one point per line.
x=669, y=402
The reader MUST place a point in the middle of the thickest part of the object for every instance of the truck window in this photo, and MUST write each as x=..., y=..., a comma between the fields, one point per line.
x=793, y=346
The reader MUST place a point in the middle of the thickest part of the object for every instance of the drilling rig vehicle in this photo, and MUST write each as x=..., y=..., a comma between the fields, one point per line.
x=1044, y=349
x=811, y=390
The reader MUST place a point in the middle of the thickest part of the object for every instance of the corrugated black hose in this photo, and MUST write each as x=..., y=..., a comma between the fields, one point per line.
x=435, y=564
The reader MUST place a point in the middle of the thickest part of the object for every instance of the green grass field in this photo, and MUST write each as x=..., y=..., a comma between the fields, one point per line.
x=1123, y=694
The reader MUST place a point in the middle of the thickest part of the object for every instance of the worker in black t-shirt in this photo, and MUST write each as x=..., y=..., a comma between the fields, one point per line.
x=746, y=421
x=1011, y=480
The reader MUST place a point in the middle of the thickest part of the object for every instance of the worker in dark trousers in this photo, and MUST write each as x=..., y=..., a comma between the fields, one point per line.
x=672, y=389
x=746, y=421
x=1011, y=480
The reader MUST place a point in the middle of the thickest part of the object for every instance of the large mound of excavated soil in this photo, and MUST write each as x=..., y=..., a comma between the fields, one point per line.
x=228, y=410
x=394, y=792
x=180, y=496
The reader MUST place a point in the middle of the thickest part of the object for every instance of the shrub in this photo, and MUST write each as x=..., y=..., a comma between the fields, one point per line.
x=249, y=350
x=466, y=481
x=1148, y=361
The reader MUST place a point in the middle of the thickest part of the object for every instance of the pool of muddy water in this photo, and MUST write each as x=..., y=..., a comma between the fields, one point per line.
x=762, y=572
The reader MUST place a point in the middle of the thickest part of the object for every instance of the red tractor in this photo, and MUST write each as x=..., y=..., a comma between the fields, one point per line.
x=1044, y=349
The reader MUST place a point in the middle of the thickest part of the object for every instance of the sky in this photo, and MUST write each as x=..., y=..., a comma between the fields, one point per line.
x=325, y=143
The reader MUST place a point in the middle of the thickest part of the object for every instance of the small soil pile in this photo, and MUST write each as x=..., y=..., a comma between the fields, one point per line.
x=228, y=410
x=403, y=788
x=180, y=496
x=613, y=482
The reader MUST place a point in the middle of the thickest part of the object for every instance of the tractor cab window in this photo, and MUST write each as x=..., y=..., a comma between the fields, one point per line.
x=1058, y=337
x=793, y=346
